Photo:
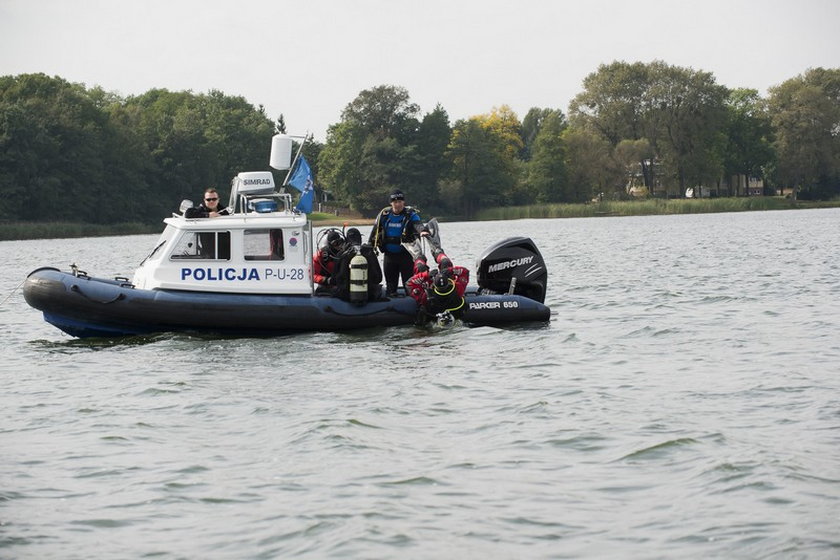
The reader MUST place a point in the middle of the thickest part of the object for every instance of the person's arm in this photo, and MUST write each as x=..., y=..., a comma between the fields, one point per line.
x=374, y=270
x=374, y=237
x=462, y=278
x=417, y=225
x=416, y=287
x=320, y=275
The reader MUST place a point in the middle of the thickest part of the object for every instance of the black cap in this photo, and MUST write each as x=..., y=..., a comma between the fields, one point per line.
x=397, y=195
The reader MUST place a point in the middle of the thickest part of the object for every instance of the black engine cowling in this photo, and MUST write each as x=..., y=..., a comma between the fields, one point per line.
x=516, y=261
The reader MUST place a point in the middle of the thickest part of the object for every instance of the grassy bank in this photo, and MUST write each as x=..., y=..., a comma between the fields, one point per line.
x=320, y=219
x=51, y=230
x=650, y=207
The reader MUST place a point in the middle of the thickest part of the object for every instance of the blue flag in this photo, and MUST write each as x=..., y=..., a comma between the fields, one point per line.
x=302, y=180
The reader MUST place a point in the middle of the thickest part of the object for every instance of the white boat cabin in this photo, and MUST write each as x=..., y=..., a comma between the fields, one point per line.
x=262, y=247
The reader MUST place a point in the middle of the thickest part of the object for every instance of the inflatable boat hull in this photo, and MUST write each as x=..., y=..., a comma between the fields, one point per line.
x=84, y=306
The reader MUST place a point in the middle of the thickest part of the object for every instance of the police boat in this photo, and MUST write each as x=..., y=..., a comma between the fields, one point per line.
x=250, y=273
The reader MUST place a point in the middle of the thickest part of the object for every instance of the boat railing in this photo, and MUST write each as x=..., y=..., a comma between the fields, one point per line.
x=254, y=191
x=264, y=203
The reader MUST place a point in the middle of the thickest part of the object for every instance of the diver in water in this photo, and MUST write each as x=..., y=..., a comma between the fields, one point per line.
x=439, y=293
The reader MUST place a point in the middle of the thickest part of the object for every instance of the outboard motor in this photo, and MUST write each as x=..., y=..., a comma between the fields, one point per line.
x=513, y=265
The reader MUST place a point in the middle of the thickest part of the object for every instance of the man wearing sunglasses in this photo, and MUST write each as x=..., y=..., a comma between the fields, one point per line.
x=212, y=206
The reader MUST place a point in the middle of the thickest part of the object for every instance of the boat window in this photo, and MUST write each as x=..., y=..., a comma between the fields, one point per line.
x=263, y=245
x=205, y=245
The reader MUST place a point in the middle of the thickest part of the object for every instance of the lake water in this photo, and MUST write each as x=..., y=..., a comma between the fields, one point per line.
x=684, y=402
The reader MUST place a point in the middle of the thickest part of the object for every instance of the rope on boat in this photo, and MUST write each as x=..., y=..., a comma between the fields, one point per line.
x=16, y=288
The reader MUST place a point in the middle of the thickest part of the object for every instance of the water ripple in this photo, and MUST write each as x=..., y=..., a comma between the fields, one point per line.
x=682, y=402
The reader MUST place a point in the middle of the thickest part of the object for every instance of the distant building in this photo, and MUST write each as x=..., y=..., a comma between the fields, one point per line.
x=755, y=186
x=698, y=192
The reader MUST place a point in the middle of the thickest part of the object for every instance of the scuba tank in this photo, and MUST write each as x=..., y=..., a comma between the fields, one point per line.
x=358, y=279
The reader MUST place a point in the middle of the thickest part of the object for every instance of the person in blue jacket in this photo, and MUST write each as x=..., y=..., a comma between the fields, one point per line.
x=397, y=228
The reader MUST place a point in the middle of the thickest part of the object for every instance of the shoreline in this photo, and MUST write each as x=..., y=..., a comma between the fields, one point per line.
x=20, y=231
x=334, y=222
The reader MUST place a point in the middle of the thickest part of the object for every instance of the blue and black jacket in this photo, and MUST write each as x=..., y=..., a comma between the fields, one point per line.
x=391, y=230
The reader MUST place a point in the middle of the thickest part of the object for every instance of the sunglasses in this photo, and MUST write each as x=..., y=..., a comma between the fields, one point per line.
x=210, y=199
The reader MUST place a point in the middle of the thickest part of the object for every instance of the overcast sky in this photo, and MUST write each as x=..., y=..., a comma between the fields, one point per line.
x=308, y=59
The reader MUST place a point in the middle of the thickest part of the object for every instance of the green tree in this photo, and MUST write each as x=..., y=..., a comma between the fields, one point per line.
x=198, y=141
x=547, y=176
x=615, y=105
x=805, y=112
x=504, y=126
x=54, y=141
x=531, y=125
x=69, y=153
x=171, y=126
x=128, y=177
x=339, y=169
x=634, y=157
x=749, y=134
x=689, y=116
x=679, y=111
x=385, y=111
x=430, y=162
x=378, y=146
x=236, y=135
x=614, y=102
x=280, y=125
x=481, y=173
x=592, y=168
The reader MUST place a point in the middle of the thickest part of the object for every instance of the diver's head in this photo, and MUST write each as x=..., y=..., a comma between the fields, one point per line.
x=443, y=285
x=354, y=236
x=334, y=242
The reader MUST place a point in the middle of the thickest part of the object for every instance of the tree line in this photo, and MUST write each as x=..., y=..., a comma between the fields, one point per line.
x=68, y=152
